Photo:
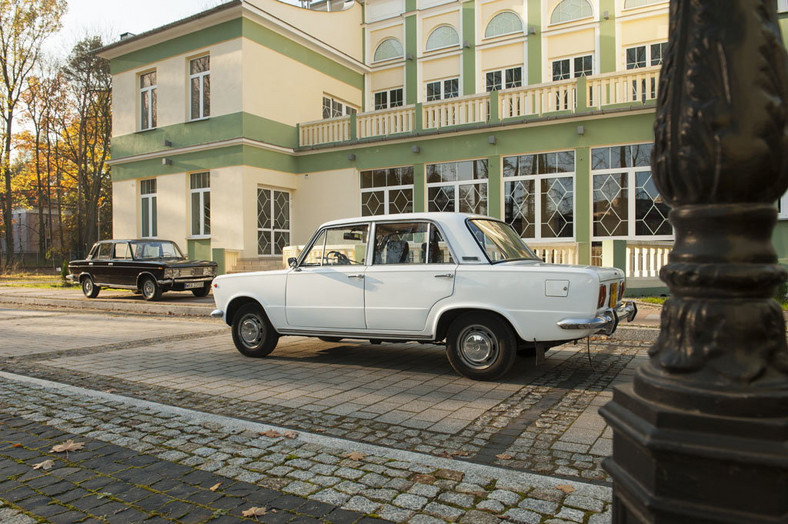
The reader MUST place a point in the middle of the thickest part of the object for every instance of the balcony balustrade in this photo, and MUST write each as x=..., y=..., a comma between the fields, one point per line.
x=563, y=98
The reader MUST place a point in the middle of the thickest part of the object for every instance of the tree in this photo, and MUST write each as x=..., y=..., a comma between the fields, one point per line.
x=24, y=25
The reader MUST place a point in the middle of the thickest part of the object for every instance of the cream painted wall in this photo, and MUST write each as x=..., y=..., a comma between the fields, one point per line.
x=323, y=196
x=570, y=44
x=387, y=79
x=490, y=9
x=549, y=6
x=172, y=202
x=644, y=30
x=501, y=57
x=429, y=23
x=339, y=29
x=383, y=9
x=446, y=67
x=172, y=78
x=281, y=89
x=377, y=36
x=125, y=209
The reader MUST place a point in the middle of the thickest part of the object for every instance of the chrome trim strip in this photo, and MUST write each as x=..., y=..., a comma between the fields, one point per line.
x=354, y=334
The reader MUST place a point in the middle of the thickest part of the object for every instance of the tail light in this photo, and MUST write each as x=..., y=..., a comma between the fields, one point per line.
x=602, y=296
x=623, y=288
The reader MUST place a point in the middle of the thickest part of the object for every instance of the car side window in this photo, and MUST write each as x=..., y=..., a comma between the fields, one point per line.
x=410, y=243
x=344, y=245
x=438, y=251
x=122, y=251
x=104, y=252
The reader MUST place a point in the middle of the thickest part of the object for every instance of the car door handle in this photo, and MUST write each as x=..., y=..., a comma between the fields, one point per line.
x=445, y=275
x=356, y=276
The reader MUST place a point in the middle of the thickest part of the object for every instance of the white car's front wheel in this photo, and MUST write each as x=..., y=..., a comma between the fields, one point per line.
x=253, y=334
x=481, y=346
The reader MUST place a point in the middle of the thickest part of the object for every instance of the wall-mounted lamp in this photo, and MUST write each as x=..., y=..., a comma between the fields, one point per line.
x=606, y=15
x=466, y=45
x=167, y=143
x=166, y=161
x=415, y=149
x=409, y=56
x=491, y=139
x=351, y=156
x=531, y=30
x=581, y=130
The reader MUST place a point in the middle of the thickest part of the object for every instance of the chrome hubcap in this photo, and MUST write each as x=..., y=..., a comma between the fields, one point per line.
x=478, y=346
x=88, y=285
x=251, y=331
x=148, y=288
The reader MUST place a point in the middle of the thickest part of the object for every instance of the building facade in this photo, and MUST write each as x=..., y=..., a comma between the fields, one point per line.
x=239, y=130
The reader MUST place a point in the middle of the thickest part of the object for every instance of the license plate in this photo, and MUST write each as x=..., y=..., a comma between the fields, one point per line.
x=193, y=285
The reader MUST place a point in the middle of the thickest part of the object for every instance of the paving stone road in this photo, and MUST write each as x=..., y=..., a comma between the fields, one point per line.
x=385, y=432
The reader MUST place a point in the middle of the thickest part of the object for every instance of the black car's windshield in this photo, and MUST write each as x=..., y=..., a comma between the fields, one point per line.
x=155, y=249
x=499, y=241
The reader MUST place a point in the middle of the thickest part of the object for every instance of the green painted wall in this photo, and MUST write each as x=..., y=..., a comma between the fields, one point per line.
x=583, y=204
x=199, y=249
x=411, y=50
x=534, y=64
x=607, y=37
x=780, y=240
x=468, y=53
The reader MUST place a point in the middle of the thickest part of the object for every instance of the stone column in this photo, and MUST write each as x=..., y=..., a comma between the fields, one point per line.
x=700, y=436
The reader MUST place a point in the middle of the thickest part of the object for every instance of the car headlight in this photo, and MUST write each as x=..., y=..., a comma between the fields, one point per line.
x=169, y=273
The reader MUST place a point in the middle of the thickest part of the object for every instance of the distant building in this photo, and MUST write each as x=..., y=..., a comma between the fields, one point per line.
x=238, y=130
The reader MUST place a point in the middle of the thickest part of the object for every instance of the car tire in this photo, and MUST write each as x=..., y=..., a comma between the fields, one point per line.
x=253, y=334
x=150, y=289
x=330, y=339
x=89, y=288
x=202, y=291
x=481, y=346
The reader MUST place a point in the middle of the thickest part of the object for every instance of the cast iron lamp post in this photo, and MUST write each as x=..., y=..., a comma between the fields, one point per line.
x=700, y=436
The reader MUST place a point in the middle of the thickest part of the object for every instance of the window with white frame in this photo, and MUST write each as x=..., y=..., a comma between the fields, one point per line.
x=782, y=6
x=200, y=87
x=442, y=36
x=782, y=207
x=333, y=108
x=273, y=221
x=504, y=78
x=570, y=10
x=388, y=49
x=645, y=56
x=148, y=100
x=567, y=68
x=458, y=186
x=626, y=202
x=539, y=194
x=148, y=208
x=504, y=23
x=442, y=89
x=200, y=188
x=388, y=98
x=387, y=191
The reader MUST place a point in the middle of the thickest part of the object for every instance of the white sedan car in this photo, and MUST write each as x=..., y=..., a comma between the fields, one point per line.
x=427, y=277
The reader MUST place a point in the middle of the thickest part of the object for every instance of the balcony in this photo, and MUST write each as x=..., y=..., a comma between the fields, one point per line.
x=566, y=98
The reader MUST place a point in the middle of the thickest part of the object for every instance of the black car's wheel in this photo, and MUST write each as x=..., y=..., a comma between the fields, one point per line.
x=481, y=346
x=253, y=334
x=202, y=291
x=150, y=289
x=89, y=288
x=330, y=339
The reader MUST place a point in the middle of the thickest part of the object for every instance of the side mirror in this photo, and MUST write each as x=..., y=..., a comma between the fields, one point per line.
x=292, y=262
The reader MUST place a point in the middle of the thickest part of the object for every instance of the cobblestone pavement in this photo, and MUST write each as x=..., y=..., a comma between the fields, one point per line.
x=430, y=446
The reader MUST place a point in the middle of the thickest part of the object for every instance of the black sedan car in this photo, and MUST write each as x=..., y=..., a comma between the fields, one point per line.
x=148, y=266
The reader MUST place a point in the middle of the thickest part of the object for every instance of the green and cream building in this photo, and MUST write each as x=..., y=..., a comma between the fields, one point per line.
x=239, y=130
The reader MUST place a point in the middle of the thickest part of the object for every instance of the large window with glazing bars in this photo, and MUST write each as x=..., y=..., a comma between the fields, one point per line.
x=626, y=202
x=273, y=221
x=539, y=194
x=200, y=187
x=387, y=191
x=147, y=96
x=149, y=226
x=458, y=186
x=200, y=86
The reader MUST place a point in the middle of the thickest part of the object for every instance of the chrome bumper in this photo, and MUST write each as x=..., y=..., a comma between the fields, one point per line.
x=217, y=313
x=607, y=322
x=173, y=281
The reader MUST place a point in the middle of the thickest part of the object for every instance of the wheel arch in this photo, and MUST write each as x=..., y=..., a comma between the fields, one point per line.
x=142, y=276
x=445, y=319
x=237, y=303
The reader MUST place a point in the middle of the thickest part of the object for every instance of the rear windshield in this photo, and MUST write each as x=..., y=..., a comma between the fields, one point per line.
x=499, y=241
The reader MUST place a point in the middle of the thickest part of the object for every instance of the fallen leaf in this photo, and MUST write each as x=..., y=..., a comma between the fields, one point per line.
x=255, y=512
x=504, y=456
x=270, y=433
x=67, y=446
x=320, y=430
x=566, y=489
x=17, y=445
x=355, y=455
x=47, y=464
x=291, y=434
x=423, y=478
x=110, y=390
x=215, y=486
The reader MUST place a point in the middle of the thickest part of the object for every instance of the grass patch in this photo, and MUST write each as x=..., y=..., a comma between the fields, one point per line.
x=653, y=300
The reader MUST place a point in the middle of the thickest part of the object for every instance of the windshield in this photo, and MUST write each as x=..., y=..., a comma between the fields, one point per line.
x=499, y=241
x=155, y=249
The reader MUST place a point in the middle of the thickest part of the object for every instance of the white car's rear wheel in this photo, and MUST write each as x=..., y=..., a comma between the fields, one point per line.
x=481, y=346
x=253, y=334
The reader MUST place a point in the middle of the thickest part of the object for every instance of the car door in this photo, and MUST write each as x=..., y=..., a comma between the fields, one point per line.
x=122, y=266
x=326, y=290
x=412, y=269
x=98, y=266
